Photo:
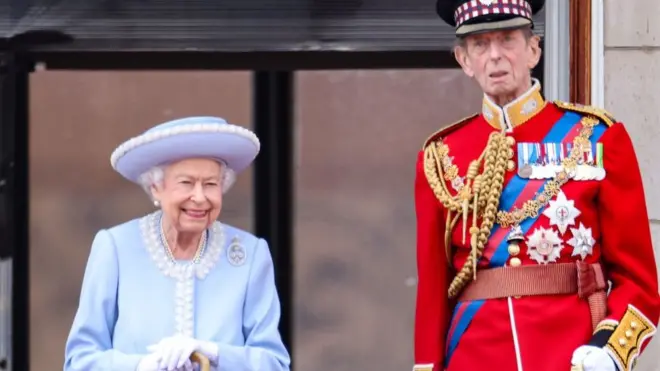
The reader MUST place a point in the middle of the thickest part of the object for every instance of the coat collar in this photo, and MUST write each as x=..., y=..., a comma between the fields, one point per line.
x=515, y=113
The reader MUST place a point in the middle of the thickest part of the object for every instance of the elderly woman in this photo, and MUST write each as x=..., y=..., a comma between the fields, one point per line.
x=176, y=282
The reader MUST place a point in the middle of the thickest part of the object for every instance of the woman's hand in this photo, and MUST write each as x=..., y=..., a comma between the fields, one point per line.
x=152, y=362
x=175, y=352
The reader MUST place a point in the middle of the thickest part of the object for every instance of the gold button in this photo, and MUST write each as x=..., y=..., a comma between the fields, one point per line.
x=633, y=325
x=622, y=342
x=629, y=334
x=515, y=262
x=514, y=249
x=510, y=165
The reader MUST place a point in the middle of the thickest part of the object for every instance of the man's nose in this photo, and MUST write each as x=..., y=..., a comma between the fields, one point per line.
x=494, y=51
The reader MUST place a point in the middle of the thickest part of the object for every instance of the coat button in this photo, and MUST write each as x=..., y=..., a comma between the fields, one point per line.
x=515, y=262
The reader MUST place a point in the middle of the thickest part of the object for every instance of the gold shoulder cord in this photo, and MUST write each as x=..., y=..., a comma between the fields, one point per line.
x=481, y=192
x=485, y=186
x=598, y=113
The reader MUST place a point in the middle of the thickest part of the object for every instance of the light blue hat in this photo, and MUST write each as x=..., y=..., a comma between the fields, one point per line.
x=191, y=137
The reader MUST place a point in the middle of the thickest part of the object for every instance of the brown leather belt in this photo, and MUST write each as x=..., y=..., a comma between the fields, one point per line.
x=585, y=280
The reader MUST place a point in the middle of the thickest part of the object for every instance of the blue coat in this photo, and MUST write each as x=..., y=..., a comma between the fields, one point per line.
x=133, y=295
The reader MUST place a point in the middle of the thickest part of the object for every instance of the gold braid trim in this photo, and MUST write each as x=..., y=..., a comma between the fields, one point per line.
x=497, y=153
x=598, y=113
x=480, y=194
x=434, y=153
x=606, y=325
x=627, y=339
x=434, y=175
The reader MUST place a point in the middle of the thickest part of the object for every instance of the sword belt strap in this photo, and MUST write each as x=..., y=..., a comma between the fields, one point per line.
x=585, y=280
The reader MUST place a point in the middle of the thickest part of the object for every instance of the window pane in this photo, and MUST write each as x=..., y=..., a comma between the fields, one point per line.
x=77, y=119
x=358, y=137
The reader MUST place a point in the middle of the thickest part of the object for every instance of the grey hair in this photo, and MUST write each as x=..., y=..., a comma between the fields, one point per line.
x=154, y=178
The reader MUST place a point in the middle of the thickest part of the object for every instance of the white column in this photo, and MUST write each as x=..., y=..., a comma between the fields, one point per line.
x=556, y=84
x=597, y=54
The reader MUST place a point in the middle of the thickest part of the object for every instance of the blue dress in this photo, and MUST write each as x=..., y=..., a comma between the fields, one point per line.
x=133, y=295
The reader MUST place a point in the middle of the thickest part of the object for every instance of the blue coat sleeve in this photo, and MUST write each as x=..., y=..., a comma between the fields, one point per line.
x=89, y=345
x=263, y=350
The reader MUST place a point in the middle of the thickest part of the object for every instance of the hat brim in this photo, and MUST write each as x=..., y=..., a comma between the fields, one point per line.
x=236, y=150
x=506, y=24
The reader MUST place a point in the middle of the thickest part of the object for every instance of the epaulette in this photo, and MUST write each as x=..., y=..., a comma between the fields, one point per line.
x=448, y=129
x=599, y=113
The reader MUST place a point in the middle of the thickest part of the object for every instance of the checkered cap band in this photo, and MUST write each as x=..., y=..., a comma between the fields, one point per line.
x=478, y=8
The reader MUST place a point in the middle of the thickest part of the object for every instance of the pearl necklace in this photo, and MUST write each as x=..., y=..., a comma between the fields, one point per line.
x=198, y=254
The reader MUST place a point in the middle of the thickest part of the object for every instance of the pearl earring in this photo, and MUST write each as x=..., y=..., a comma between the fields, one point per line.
x=156, y=203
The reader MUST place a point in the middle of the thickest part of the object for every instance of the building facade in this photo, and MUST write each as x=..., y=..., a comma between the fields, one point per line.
x=631, y=92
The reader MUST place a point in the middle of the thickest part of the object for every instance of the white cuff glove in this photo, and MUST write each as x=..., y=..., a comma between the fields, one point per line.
x=593, y=358
x=175, y=352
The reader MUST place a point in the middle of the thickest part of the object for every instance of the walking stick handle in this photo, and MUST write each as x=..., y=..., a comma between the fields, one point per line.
x=204, y=363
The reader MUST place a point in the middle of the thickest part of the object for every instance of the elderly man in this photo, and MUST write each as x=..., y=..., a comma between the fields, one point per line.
x=533, y=241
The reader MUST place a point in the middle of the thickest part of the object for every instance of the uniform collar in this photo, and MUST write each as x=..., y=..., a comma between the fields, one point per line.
x=517, y=112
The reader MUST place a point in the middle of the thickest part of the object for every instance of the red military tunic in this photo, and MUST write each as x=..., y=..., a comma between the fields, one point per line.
x=597, y=219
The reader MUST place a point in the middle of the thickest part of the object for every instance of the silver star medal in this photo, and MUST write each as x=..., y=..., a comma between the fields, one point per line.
x=582, y=241
x=561, y=212
x=544, y=246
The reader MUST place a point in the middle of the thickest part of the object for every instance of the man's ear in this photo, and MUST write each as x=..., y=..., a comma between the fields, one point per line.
x=534, y=44
x=460, y=53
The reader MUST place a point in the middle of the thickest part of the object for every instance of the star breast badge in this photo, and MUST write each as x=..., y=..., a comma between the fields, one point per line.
x=582, y=241
x=544, y=246
x=561, y=212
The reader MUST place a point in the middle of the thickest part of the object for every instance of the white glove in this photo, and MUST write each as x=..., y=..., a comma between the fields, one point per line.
x=187, y=366
x=150, y=362
x=593, y=359
x=176, y=351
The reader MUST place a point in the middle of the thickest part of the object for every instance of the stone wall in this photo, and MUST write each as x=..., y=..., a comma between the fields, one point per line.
x=632, y=93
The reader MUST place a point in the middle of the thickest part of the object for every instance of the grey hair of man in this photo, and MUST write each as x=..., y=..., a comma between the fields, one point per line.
x=154, y=178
